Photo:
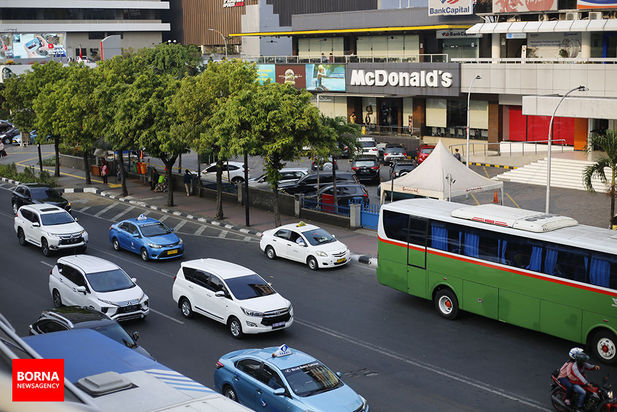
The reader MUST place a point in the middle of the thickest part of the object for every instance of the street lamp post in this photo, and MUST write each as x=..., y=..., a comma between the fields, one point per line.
x=549, y=147
x=224, y=40
x=476, y=77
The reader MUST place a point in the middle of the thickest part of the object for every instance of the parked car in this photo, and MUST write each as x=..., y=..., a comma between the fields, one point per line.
x=304, y=243
x=84, y=280
x=366, y=168
x=147, y=237
x=323, y=164
x=308, y=184
x=344, y=154
x=424, y=151
x=345, y=194
x=380, y=150
x=288, y=175
x=367, y=146
x=9, y=135
x=284, y=379
x=231, y=294
x=232, y=172
x=394, y=152
x=36, y=193
x=399, y=169
x=50, y=228
x=76, y=317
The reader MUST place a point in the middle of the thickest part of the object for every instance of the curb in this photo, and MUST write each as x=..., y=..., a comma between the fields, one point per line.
x=493, y=165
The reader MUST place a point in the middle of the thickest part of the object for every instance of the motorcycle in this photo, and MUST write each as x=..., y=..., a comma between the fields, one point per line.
x=597, y=398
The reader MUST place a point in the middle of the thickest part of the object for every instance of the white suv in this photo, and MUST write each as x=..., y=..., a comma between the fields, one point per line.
x=49, y=227
x=367, y=146
x=230, y=294
x=232, y=172
x=84, y=280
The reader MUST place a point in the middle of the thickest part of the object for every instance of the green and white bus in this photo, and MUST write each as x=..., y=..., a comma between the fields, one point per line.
x=542, y=272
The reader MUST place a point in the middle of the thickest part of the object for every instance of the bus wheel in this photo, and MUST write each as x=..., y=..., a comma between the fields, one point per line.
x=604, y=346
x=446, y=303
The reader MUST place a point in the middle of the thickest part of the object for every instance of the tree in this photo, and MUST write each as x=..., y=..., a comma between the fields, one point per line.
x=19, y=94
x=608, y=144
x=68, y=108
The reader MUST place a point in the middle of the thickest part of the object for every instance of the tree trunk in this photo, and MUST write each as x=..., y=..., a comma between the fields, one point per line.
x=612, y=193
x=57, y=150
x=334, y=184
x=219, y=190
x=277, y=212
x=87, y=167
x=125, y=192
x=169, y=164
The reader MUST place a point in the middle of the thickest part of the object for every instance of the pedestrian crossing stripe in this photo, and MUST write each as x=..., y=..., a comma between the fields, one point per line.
x=178, y=380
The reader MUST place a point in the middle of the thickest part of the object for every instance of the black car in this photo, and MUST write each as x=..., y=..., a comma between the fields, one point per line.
x=29, y=193
x=399, y=169
x=345, y=194
x=308, y=184
x=7, y=136
x=366, y=169
x=76, y=317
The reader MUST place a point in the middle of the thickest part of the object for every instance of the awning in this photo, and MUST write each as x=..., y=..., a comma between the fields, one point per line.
x=544, y=26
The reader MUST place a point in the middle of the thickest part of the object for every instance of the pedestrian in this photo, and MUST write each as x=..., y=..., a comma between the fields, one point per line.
x=104, y=172
x=2, y=151
x=154, y=178
x=324, y=59
x=187, y=179
x=331, y=58
x=457, y=155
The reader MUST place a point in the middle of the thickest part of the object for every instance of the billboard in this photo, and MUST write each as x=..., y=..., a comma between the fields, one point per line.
x=31, y=45
x=518, y=6
x=325, y=77
x=265, y=72
x=596, y=4
x=233, y=3
x=293, y=74
x=450, y=7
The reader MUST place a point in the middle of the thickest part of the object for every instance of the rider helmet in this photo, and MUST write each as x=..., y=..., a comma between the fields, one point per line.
x=574, y=351
x=581, y=357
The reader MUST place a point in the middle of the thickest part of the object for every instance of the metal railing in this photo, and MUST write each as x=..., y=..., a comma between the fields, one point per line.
x=418, y=58
x=488, y=60
x=485, y=146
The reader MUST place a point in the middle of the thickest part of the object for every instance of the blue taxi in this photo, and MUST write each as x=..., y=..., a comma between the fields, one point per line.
x=148, y=237
x=283, y=379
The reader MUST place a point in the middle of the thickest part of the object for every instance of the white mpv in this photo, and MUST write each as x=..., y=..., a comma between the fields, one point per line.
x=230, y=294
x=49, y=227
x=84, y=280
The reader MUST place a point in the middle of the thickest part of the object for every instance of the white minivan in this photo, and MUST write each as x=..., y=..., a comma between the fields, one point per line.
x=231, y=294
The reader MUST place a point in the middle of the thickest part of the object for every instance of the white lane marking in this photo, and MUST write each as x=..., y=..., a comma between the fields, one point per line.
x=223, y=234
x=167, y=316
x=163, y=218
x=124, y=212
x=426, y=366
x=83, y=209
x=247, y=238
x=47, y=264
x=117, y=255
x=179, y=225
x=200, y=230
x=105, y=210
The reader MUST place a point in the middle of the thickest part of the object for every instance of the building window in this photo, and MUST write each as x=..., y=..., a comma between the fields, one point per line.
x=96, y=35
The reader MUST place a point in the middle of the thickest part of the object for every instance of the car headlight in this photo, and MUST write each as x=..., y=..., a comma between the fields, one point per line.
x=180, y=241
x=322, y=254
x=109, y=302
x=364, y=403
x=48, y=234
x=153, y=246
x=82, y=232
x=610, y=394
x=249, y=312
x=291, y=309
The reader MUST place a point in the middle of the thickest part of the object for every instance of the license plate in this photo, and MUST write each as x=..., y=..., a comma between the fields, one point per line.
x=172, y=252
x=341, y=260
x=278, y=325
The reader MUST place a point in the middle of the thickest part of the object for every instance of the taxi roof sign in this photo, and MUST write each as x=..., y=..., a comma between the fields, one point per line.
x=300, y=224
x=142, y=217
x=283, y=350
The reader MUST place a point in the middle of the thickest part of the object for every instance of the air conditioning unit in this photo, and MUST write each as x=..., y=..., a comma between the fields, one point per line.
x=595, y=15
x=571, y=15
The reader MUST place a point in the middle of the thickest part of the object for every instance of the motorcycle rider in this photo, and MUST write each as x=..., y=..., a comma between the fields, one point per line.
x=572, y=377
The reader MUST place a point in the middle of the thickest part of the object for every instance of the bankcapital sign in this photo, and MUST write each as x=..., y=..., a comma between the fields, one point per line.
x=404, y=78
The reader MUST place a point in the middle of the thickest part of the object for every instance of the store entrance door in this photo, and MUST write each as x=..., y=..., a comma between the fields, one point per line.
x=389, y=114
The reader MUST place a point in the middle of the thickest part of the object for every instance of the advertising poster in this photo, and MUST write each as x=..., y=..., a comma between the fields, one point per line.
x=596, y=4
x=325, y=77
x=31, y=45
x=293, y=74
x=552, y=45
x=518, y=6
x=233, y=3
x=265, y=72
x=450, y=7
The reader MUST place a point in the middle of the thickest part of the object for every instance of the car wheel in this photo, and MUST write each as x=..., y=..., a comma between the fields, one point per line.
x=185, y=307
x=15, y=208
x=604, y=346
x=446, y=304
x=270, y=252
x=7, y=140
x=230, y=393
x=55, y=296
x=235, y=327
x=144, y=254
x=115, y=244
x=21, y=238
x=45, y=247
x=312, y=263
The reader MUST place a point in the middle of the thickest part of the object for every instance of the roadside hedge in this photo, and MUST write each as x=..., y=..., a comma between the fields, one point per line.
x=27, y=176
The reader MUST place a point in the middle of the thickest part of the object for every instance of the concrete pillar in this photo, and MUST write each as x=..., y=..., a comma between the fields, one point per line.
x=240, y=192
x=355, y=215
x=495, y=46
x=585, y=45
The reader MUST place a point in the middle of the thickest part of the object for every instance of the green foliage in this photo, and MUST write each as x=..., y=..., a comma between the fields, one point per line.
x=608, y=144
x=346, y=133
x=27, y=176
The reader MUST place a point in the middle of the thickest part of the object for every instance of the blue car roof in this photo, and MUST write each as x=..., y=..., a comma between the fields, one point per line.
x=296, y=358
x=142, y=222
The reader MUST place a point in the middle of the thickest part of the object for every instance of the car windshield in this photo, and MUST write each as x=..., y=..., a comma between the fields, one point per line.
x=367, y=144
x=427, y=150
x=154, y=229
x=394, y=150
x=311, y=379
x=60, y=218
x=367, y=163
x=116, y=332
x=318, y=237
x=248, y=287
x=43, y=193
x=110, y=280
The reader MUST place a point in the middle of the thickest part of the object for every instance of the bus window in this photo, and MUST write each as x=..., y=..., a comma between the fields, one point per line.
x=603, y=271
x=417, y=230
x=516, y=252
x=566, y=262
x=439, y=236
x=395, y=225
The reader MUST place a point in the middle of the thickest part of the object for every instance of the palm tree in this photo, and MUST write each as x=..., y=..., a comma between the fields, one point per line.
x=608, y=144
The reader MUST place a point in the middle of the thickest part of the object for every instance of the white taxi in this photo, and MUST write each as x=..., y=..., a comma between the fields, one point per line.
x=304, y=243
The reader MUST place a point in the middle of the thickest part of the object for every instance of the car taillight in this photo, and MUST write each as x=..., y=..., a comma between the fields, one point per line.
x=386, y=154
x=111, y=227
x=175, y=276
x=405, y=154
x=375, y=167
x=354, y=168
x=218, y=365
x=51, y=270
